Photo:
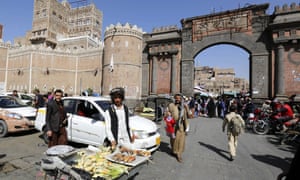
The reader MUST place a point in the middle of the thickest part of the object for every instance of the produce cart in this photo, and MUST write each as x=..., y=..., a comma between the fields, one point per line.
x=65, y=162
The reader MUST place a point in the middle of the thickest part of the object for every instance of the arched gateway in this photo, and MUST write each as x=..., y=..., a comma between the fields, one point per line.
x=272, y=42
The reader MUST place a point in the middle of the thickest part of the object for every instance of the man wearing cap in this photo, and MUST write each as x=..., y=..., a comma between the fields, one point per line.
x=117, y=120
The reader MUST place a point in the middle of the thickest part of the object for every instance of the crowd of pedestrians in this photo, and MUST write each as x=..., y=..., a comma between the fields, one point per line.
x=202, y=106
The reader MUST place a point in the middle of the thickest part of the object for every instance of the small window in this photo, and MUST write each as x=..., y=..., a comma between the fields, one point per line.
x=69, y=105
x=81, y=109
x=92, y=112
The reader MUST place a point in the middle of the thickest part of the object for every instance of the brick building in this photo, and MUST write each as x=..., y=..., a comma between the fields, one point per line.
x=64, y=50
x=219, y=80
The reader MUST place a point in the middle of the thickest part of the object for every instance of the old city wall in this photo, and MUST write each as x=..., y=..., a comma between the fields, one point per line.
x=3, y=60
x=162, y=61
x=45, y=69
x=292, y=70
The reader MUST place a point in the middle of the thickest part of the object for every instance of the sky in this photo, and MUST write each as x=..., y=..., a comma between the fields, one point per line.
x=16, y=17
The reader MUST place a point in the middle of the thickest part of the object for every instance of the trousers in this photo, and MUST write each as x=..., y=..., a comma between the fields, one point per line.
x=232, y=144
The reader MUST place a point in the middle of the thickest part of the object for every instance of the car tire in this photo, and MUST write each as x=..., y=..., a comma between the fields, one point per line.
x=3, y=128
x=45, y=137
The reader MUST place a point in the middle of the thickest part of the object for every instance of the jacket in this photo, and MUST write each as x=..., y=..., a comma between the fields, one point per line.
x=54, y=116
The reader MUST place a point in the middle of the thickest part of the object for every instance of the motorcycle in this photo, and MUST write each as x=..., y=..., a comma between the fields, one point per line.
x=291, y=135
x=259, y=122
x=249, y=121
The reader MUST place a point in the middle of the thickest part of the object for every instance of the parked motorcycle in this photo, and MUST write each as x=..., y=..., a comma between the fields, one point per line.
x=269, y=122
x=260, y=122
x=249, y=121
x=291, y=135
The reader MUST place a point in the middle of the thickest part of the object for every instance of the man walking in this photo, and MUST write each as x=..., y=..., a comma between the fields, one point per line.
x=232, y=121
x=179, y=112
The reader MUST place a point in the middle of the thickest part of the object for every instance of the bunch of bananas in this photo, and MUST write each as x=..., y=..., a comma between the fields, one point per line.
x=97, y=165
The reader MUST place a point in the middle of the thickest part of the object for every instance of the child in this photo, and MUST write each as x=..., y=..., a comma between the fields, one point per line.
x=170, y=129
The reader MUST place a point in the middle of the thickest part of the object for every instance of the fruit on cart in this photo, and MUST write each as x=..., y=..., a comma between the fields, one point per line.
x=97, y=165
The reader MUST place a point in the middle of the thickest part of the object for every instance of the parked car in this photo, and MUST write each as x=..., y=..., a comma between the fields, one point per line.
x=15, y=116
x=154, y=107
x=88, y=126
x=25, y=98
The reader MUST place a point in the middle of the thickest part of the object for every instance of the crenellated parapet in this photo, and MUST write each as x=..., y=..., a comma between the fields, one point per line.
x=123, y=30
x=286, y=8
x=285, y=24
x=17, y=50
x=5, y=44
x=164, y=29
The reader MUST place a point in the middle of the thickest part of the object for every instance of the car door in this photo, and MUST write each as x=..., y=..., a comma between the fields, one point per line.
x=87, y=124
x=70, y=108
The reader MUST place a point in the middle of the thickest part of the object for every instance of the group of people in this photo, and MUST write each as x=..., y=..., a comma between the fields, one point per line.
x=39, y=100
x=176, y=120
x=117, y=123
x=176, y=117
x=117, y=120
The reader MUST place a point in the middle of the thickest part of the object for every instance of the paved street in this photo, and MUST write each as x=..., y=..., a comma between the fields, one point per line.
x=206, y=156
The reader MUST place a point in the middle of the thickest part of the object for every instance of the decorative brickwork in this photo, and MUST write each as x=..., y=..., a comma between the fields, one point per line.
x=64, y=50
x=122, y=59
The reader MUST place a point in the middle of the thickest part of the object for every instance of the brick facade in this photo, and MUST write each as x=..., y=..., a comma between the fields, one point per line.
x=64, y=50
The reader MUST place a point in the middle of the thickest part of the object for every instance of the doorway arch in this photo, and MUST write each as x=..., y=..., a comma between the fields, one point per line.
x=222, y=68
x=195, y=39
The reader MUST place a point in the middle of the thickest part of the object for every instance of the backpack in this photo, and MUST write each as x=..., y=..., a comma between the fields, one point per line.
x=235, y=126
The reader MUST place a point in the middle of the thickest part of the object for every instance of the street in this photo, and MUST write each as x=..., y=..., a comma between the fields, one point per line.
x=206, y=156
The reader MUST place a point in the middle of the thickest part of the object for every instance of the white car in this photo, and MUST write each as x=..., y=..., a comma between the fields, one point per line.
x=25, y=98
x=89, y=127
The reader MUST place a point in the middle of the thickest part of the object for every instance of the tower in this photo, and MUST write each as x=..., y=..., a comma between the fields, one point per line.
x=123, y=59
x=54, y=21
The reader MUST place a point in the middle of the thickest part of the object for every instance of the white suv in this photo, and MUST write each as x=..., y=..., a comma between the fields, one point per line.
x=90, y=127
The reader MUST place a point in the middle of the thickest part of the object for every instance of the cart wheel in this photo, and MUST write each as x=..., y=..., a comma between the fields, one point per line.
x=282, y=176
x=3, y=128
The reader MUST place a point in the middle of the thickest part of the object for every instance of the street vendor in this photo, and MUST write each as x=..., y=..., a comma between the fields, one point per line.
x=117, y=120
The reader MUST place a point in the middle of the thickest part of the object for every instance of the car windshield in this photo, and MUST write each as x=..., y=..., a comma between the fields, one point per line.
x=11, y=102
x=103, y=104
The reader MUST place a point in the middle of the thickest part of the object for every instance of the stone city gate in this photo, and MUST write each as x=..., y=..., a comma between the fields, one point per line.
x=243, y=28
x=272, y=42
